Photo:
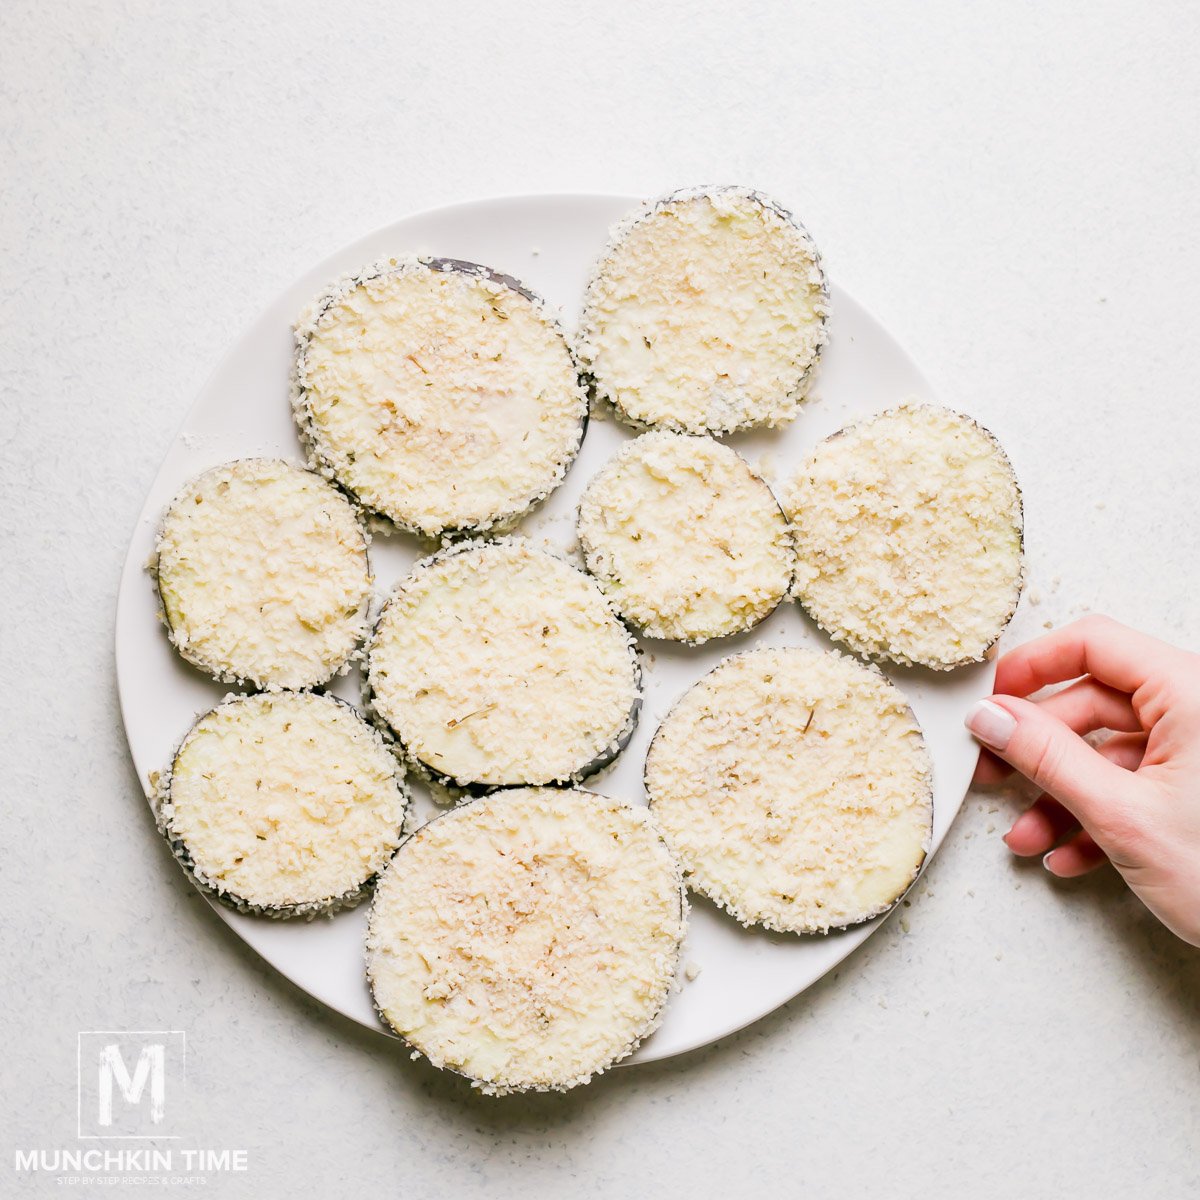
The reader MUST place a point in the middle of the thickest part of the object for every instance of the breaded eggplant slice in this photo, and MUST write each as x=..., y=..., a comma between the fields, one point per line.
x=263, y=574
x=908, y=532
x=685, y=539
x=795, y=788
x=528, y=940
x=440, y=393
x=284, y=803
x=706, y=314
x=496, y=664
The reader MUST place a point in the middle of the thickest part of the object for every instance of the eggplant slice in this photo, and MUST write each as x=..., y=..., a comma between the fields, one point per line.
x=496, y=664
x=908, y=532
x=685, y=539
x=440, y=393
x=527, y=940
x=284, y=803
x=706, y=314
x=795, y=787
x=263, y=575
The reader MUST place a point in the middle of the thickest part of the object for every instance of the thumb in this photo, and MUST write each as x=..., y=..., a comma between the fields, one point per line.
x=1056, y=758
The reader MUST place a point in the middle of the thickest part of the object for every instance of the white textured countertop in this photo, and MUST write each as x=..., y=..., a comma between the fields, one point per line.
x=1012, y=188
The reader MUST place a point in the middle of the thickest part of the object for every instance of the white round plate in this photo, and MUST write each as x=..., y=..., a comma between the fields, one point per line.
x=549, y=242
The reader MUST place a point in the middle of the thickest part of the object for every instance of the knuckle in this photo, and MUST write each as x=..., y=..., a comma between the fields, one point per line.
x=1096, y=623
x=1174, y=693
x=1170, y=694
x=1150, y=704
x=1096, y=705
x=1185, y=684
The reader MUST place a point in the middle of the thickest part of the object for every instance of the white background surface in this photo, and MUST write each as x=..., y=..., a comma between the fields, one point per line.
x=1012, y=188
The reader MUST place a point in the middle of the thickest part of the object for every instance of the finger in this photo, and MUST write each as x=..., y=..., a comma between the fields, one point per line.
x=1125, y=750
x=1046, y=822
x=1044, y=750
x=1084, y=707
x=1042, y=825
x=990, y=770
x=1090, y=705
x=1099, y=646
x=1076, y=857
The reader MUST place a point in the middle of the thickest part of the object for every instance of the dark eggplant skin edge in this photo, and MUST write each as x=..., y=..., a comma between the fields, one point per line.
x=306, y=909
x=726, y=905
x=600, y=396
x=587, y=550
x=873, y=654
x=459, y=788
x=484, y=1085
x=310, y=436
x=220, y=674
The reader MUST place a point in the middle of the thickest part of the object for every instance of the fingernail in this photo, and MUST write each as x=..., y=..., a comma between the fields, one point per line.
x=1046, y=862
x=991, y=724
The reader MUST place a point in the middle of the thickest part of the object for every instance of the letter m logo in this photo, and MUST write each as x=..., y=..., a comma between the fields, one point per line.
x=123, y=1082
x=151, y=1066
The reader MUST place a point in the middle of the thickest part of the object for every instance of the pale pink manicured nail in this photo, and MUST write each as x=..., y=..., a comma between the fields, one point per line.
x=1046, y=861
x=991, y=724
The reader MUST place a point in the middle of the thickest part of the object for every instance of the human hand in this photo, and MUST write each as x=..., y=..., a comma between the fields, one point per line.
x=1137, y=795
